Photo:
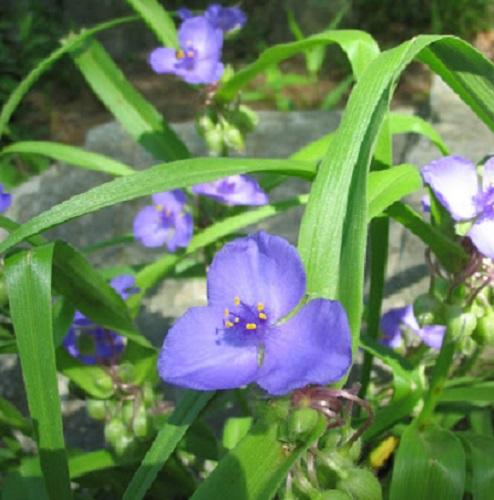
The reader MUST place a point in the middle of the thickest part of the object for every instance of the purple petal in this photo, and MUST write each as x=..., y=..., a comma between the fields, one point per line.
x=163, y=60
x=234, y=190
x=432, y=335
x=182, y=235
x=313, y=347
x=203, y=71
x=199, y=354
x=391, y=323
x=124, y=285
x=225, y=18
x=488, y=175
x=482, y=236
x=198, y=34
x=455, y=183
x=172, y=201
x=259, y=268
x=183, y=13
x=149, y=229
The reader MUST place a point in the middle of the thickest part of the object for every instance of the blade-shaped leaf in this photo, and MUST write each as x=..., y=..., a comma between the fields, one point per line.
x=28, y=276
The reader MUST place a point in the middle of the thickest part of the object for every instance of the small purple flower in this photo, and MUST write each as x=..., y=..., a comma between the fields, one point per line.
x=164, y=222
x=225, y=18
x=184, y=13
x=240, y=336
x=457, y=186
x=92, y=344
x=5, y=199
x=198, y=59
x=234, y=190
x=402, y=318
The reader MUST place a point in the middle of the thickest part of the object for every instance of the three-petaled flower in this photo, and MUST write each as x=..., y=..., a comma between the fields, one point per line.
x=198, y=60
x=165, y=222
x=457, y=186
x=400, y=319
x=234, y=190
x=241, y=336
x=91, y=343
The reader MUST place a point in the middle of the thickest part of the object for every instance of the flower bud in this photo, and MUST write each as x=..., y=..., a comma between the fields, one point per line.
x=301, y=423
x=126, y=372
x=96, y=408
x=148, y=395
x=105, y=383
x=114, y=429
x=484, y=333
x=123, y=444
x=361, y=484
x=245, y=119
x=214, y=140
x=459, y=323
x=127, y=411
x=426, y=309
x=233, y=137
x=140, y=424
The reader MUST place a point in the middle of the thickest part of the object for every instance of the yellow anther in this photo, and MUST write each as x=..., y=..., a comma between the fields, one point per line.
x=228, y=324
x=236, y=319
x=262, y=316
x=226, y=312
x=251, y=326
x=190, y=53
x=260, y=306
x=180, y=54
x=236, y=300
x=158, y=208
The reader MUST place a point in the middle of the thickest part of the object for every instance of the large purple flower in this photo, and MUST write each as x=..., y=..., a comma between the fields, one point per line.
x=457, y=186
x=240, y=338
x=165, y=222
x=92, y=344
x=224, y=18
x=395, y=321
x=5, y=199
x=234, y=190
x=198, y=59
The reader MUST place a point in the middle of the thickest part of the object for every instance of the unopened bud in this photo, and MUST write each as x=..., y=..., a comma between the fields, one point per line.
x=459, y=323
x=96, y=408
x=301, y=423
x=361, y=484
x=426, y=309
x=113, y=430
x=484, y=333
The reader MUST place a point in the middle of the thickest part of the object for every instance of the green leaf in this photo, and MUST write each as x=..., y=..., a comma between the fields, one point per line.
x=136, y=115
x=28, y=276
x=429, y=464
x=165, y=442
x=71, y=155
x=401, y=123
x=480, y=464
x=450, y=254
x=359, y=47
x=255, y=469
x=158, y=19
x=161, y=177
x=10, y=416
x=68, y=44
x=478, y=391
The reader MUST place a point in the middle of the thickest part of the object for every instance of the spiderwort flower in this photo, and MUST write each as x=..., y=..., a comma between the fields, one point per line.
x=165, y=222
x=396, y=320
x=91, y=343
x=238, y=338
x=225, y=18
x=456, y=184
x=234, y=190
x=198, y=59
x=5, y=199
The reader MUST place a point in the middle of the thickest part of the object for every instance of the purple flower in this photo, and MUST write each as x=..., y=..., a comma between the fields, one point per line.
x=198, y=59
x=234, y=190
x=457, y=186
x=91, y=343
x=164, y=222
x=225, y=18
x=395, y=321
x=184, y=13
x=5, y=199
x=240, y=338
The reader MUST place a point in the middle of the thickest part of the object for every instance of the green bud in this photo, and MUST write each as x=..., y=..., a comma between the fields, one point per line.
x=440, y=288
x=96, y=408
x=105, y=383
x=301, y=423
x=245, y=119
x=114, y=429
x=459, y=323
x=233, y=137
x=460, y=294
x=204, y=124
x=126, y=372
x=361, y=484
x=214, y=140
x=141, y=424
x=148, y=395
x=128, y=411
x=484, y=333
x=332, y=495
x=123, y=444
x=426, y=309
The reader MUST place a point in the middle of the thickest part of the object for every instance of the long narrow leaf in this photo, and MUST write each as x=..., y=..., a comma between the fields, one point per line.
x=29, y=283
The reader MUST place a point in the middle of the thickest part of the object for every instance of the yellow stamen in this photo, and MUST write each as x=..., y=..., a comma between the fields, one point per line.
x=180, y=54
x=236, y=300
x=228, y=324
x=260, y=306
x=158, y=208
x=226, y=312
x=262, y=316
x=236, y=319
x=251, y=326
x=190, y=53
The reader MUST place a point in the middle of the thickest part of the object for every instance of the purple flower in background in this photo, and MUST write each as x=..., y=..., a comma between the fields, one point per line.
x=225, y=18
x=165, y=222
x=457, y=186
x=198, y=59
x=91, y=343
x=402, y=318
x=238, y=337
x=5, y=199
x=234, y=190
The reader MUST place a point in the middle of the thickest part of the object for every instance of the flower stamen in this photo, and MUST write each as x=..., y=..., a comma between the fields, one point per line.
x=180, y=54
x=251, y=326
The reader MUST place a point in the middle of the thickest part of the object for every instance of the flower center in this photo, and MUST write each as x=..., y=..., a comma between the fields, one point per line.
x=186, y=58
x=245, y=318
